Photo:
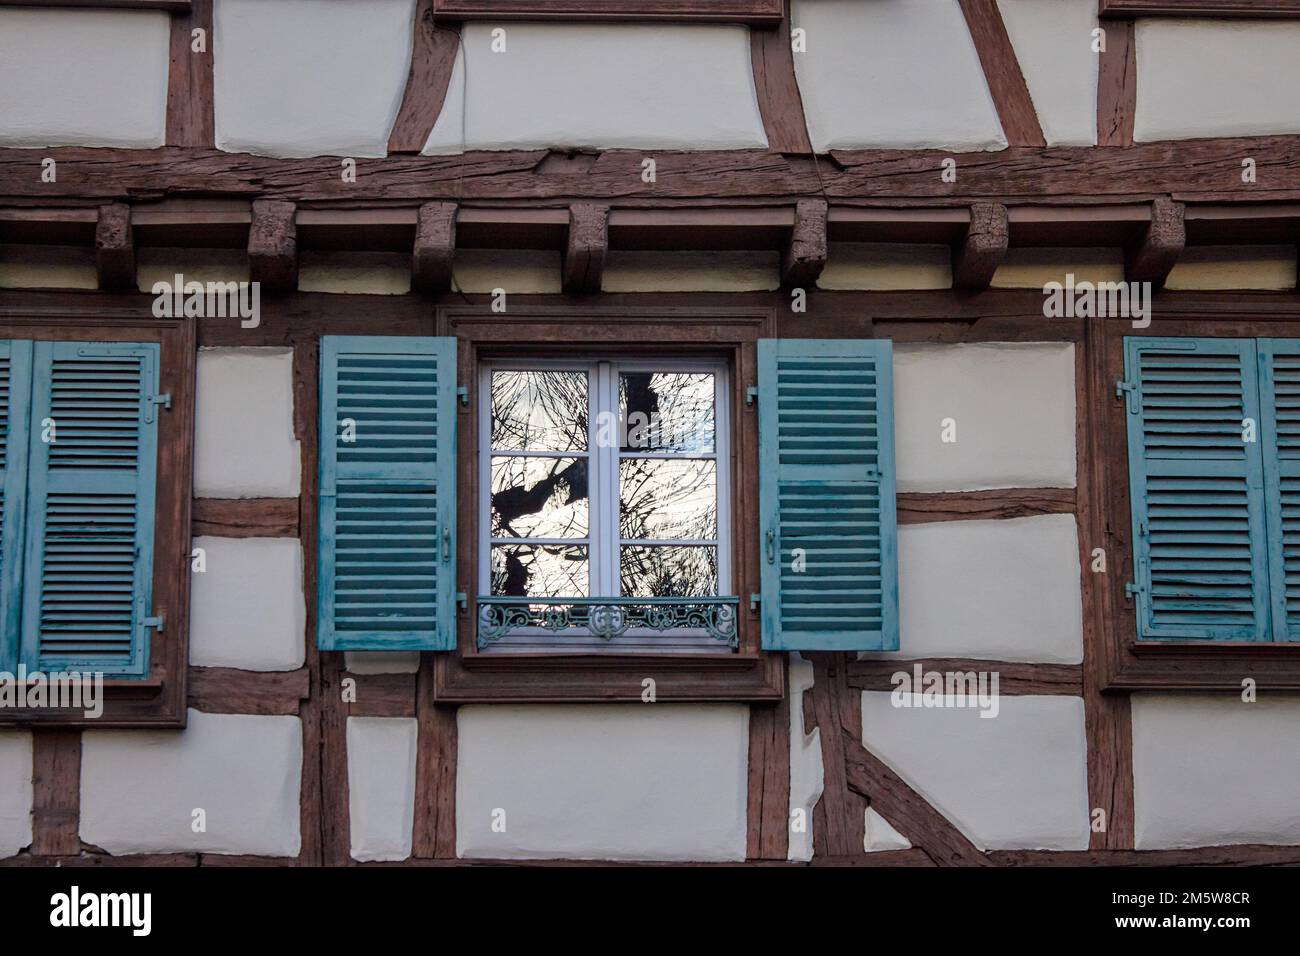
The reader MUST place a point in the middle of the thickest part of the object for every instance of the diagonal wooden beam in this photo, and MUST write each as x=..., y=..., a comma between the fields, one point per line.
x=1153, y=257
x=433, y=57
x=115, y=248
x=805, y=254
x=584, y=257
x=1116, y=83
x=435, y=247
x=273, y=245
x=982, y=249
x=779, y=100
x=1002, y=73
x=190, y=118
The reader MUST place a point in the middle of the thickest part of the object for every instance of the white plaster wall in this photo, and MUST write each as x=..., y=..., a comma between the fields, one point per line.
x=892, y=73
x=807, y=773
x=601, y=85
x=15, y=791
x=1013, y=405
x=1015, y=781
x=879, y=834
x=694, y=271
x=1032, y=267
x=886, y=266
x=1212, y=769
x=1272, y=268
x=521, y=271
x=381, y=786
x=309, y=77
x=247, y=608
x=1053, y=44
x=1216, y=78
x=604, y=781
x=1004, y=590
x=244, y=445
x=83, y=78
x=358, y=273
x=139, y=789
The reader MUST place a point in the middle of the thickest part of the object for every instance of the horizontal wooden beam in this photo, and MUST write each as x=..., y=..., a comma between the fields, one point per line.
x=1232, y=9
x=1202, y=170
x=226, y=690
x=382, y=695
x=920, y=507
x=736, y=11
x=1014, y=678
x=170, y=6
x=245, y=517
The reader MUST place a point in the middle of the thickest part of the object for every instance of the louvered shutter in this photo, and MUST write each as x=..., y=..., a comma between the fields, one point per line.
x=1197, y=489
x=88, y=571
x=826, y=489
x=15, y=397
x=387, y=493
x=1279, y=370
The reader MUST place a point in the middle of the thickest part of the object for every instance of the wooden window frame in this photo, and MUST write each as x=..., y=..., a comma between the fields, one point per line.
x=767, y=12
x=1129, y=663
x=159, y=699
x=467, y=675
x=167, y=6
x=1257, y=9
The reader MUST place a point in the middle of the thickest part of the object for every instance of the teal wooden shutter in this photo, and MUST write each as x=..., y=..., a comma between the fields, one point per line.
x=1197, y=489
x=826, y=494
x=15, y=398
x=387, y=494
x=1279, y=375
x=92, y=471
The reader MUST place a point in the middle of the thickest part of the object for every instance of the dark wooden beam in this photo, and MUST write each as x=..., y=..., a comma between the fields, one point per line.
x=190, y=119
x=768, y=836
x=804, y=257
x=1117, y=84
x=115, y=248
x=982, y=249
x=1153, y=258
x=1014, y=678
x=916, y=507
x=584, y=256
x=435, y=247
x=169, y=6
x=56, y=792
x=434, y=826
x=227, y=690
x=1201, y=170
x=1002, y=73
x=273, y=246
x=839, y=817
x=382, y=695
x=1231, y=9
x=433, y=56
x=245, y=517
x=779, y=100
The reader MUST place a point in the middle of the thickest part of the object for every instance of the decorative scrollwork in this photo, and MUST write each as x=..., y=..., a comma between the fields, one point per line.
x=608, y=618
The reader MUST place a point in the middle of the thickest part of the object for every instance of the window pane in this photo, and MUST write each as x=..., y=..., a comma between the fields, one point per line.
x=669, y=571
x=537, y=570
x=539, y=411
x=539, y=497
x=666, y=411
x=668, y=498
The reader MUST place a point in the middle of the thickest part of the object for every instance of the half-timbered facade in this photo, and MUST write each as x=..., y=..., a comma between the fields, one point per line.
x=835, y=431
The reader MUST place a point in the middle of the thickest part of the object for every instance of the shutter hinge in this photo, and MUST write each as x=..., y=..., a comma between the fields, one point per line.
x=1131, y=389
x=754, y=601
x=462, y=392
x=463, y=600
x=165, y=400
x=1132, y=590
x=155, y=622
x=751, y=394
